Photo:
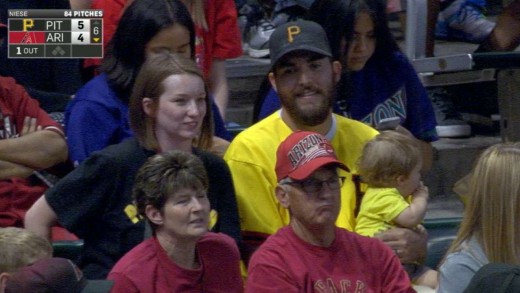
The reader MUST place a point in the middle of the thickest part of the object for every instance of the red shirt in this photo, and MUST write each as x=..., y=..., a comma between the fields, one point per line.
x=16, y=103
x=352, y=263
x=147, y=268
x=222, y=39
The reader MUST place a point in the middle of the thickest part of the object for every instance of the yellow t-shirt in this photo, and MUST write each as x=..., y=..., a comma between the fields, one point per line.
x=251, y=157
x=379, y=208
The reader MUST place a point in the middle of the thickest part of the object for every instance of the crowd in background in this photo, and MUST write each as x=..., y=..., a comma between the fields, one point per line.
x=131, y=155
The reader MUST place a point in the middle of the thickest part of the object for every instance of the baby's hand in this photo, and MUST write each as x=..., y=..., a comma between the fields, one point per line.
x=421, y=191
x=420, y=228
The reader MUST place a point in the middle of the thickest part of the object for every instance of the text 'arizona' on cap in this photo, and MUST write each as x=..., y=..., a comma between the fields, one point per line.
x=298, y=35
x=302, y=153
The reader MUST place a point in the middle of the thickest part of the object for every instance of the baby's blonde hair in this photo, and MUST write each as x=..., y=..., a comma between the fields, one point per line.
x=20, y=247
x=387, y=156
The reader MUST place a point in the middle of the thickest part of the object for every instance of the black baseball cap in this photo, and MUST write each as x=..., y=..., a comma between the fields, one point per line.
x=298, y=35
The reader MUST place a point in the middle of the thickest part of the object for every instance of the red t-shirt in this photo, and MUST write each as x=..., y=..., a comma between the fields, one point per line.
x=147, y=268
x=222, y=39
x=16, y=103
x=353, y=263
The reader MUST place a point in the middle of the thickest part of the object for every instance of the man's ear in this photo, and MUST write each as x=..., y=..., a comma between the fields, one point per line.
x=149, y=107
x=272, y=81
x=282, y=195
x=3, y=281
x=154, y=215
x=336, y=69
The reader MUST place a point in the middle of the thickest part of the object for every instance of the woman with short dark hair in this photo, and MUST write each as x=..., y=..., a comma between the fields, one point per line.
x=170, y=193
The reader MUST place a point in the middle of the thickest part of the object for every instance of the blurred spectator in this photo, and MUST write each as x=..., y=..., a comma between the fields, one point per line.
x=464, y=19
x=30, y=142
x=505, y=36
x=217, y=39
x=112, y=11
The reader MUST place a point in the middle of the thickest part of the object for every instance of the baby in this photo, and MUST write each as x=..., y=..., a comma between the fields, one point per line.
x=396, y=197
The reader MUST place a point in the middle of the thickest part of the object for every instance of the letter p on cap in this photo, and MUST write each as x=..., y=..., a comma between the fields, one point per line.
x=292, y=31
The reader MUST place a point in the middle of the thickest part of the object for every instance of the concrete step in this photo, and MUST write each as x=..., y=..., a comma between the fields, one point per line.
x=453, y=159
x=245, y=74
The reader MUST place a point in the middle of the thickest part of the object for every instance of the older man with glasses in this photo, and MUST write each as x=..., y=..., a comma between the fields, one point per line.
x=312, y=254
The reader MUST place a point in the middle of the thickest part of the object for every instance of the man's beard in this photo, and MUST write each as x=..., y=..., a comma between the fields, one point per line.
x=308, y=116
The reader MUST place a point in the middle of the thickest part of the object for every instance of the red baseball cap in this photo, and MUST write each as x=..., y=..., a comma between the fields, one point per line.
x=302, y=153
x=56, y=275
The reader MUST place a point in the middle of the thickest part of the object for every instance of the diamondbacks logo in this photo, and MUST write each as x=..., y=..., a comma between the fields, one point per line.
x=310, y=147
x=395, y=106
x=292, y=31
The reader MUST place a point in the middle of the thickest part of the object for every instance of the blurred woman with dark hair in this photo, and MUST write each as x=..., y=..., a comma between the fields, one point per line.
x=98, y=115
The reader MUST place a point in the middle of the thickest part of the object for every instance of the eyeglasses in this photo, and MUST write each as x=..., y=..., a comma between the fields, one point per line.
x=313, y=186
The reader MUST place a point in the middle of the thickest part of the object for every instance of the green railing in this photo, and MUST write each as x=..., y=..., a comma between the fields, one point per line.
x=441, y=233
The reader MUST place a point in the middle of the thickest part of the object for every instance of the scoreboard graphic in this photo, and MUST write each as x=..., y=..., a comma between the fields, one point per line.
x=43, y=33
